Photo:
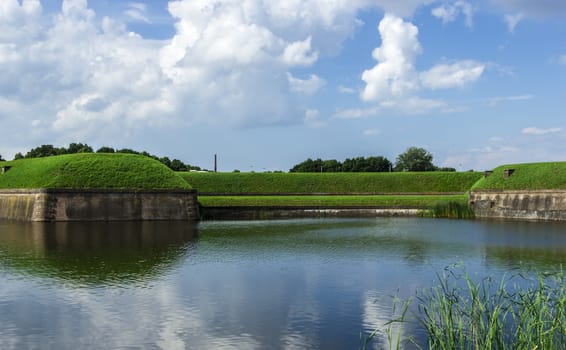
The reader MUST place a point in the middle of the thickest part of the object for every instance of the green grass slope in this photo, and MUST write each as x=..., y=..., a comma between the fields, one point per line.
x=90, y=170
x=531, y=176
x=334, y=183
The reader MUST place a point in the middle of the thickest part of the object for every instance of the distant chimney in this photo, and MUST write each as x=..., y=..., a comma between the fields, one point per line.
x=215, y=164
x=507, y=173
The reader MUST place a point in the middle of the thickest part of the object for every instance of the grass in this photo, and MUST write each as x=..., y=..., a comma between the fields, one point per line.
x=515, y=313
x=332, y=183
x=532, y=176
x=417, y=201
x=454, y=209
x=89, y=170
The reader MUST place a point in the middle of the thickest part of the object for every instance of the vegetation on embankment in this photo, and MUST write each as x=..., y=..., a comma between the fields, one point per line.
x=88, y=170
x=530, y=176
x=332, y=183
x=399, y=201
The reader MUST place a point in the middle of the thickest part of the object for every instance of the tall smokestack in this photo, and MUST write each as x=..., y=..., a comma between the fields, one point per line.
x=215, y=164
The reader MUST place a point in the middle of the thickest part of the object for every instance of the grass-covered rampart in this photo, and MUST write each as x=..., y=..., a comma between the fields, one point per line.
x=332, y=183
x=88, y=171
x=531, y=176
x=393, y=201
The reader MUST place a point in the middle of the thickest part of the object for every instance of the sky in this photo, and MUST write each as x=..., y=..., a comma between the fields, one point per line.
x=266, y=84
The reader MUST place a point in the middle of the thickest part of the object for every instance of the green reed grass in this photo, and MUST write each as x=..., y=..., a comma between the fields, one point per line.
x=517, y=312
x=451, y=209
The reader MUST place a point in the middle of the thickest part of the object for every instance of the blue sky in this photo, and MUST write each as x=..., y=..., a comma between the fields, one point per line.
x=266, y=84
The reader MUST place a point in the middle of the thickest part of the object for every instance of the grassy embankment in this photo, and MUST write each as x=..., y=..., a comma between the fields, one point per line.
x=531, y=176
x=88, y=171
x=408, y=190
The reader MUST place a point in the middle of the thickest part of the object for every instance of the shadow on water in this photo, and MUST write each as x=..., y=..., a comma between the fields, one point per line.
x=95, y=254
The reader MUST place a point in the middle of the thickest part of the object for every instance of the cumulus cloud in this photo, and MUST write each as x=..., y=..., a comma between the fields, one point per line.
x=449, y=12
x=513, y=20
x=452, y=75
x=394, y=75
x=539, y=131
x=305, y=86
x=82, y=75
x=394, y=81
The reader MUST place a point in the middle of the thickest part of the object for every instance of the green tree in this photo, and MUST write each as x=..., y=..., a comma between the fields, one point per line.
x=105, y=149
x=45, y=151
x=308, y=166
x=414, y=159
x=18, y=156
x=79, y=148
x=1, y=159
x=378, y=164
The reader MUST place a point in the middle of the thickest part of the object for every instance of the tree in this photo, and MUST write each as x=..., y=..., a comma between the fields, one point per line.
x=378, y=164
x=45, y=151
x=1, y=159
x=105, y=149
x=308, y=166
x=18, y=156
x=79, y=148
x=414, y=159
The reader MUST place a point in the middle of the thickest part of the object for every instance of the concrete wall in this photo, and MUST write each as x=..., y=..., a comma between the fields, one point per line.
x=523, y=205
x=98, y=205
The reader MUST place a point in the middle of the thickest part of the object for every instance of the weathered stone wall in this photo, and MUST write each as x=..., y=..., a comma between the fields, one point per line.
x=98, y=205
x=523, y=205
x=265, y=213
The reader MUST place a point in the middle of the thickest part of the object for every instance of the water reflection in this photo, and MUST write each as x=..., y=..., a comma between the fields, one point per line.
x=95, y=253
x=299, y=284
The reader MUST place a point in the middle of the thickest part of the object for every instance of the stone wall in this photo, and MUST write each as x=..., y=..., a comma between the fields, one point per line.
x=523, y=205
x=98, y=205
x=265, y=213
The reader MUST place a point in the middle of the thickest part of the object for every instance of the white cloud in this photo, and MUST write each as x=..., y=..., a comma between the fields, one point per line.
x=371, y=132
x=513, y=20
x=313, y=119
x=394, y=81
x=84, y=75
x=539, y=131
x=457, y=74
x=300, y=53
x=448, y=12
x=137, y=12
x=356, y=113
x=305, y=86
x=346, y=90
x=563, y=59
x=497, y=100
x=394, y=75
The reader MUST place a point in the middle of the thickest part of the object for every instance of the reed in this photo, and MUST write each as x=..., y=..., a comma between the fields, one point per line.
x=517, y=312
x=451, y=209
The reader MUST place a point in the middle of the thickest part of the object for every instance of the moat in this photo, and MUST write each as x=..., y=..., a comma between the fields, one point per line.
x=309, y=283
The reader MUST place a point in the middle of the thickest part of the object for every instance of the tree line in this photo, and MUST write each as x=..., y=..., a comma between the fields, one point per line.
x=413, y=159
x=50, y=150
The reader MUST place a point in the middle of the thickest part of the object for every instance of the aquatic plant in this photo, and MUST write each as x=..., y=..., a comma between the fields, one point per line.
x=451, y=209
x=518, y=312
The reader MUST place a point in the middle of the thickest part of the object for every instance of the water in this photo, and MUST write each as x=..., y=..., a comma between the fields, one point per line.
x=298, y=284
